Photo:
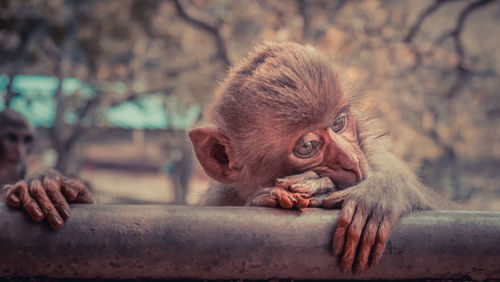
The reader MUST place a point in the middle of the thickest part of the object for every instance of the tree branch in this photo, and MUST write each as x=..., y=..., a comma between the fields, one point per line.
x=457, y=31
x=131, y=96
x=64, y=50
x=202, y=21
x=306, y=19
x=421, y=18
x=463, y=72
x=27, y=38
x=78, y=130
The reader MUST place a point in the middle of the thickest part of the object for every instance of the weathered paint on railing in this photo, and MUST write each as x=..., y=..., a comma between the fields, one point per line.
x=114, y=241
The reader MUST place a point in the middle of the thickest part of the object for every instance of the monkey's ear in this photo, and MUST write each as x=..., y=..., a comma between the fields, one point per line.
x=212, y=149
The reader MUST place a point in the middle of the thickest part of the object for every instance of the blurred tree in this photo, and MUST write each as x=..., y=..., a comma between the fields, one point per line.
x=429, y=67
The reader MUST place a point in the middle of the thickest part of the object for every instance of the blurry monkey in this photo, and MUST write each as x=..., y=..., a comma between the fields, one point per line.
x=16, y=142
x=45, y=195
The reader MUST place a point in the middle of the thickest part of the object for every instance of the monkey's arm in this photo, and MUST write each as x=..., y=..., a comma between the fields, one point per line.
x=47, y=196
x=219, y=194
x=372, y=208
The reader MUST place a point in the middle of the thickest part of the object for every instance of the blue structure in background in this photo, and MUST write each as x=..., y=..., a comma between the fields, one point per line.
x=37, y=104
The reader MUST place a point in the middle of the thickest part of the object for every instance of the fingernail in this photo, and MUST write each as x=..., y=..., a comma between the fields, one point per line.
x=13, y=199
x=336, y=252
x=65, y=213
x=38, y=213
x=297, y=185
x=280, y=180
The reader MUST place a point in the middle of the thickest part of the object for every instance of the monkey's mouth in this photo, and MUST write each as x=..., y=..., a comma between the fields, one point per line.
x=342, y=178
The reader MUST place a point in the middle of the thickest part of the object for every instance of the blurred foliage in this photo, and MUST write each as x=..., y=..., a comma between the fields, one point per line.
x=430, y=68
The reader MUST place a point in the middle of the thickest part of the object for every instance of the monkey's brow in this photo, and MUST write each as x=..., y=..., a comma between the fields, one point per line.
x=346, y=108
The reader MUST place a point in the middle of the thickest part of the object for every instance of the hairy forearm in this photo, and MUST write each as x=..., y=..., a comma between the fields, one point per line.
x=398, y=180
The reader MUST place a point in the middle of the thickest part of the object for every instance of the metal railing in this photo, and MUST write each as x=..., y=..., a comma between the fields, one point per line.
x=170, y=242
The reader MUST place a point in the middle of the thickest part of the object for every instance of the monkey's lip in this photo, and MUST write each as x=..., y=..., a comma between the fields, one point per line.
x=342, y=178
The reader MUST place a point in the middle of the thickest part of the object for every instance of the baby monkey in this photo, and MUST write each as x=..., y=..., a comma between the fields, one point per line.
x=284, y=132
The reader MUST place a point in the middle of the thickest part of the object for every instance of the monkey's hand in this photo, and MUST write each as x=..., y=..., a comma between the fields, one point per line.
x=365, y=223
x=47, y=196
x=309, y=183
x=274, y=197
x=300, y=191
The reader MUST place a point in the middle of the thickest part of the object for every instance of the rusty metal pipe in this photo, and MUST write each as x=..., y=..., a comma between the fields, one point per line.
x=114, y=241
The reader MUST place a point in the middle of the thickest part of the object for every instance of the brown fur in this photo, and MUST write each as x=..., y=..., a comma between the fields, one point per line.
x=268, y=88
x=281, y=92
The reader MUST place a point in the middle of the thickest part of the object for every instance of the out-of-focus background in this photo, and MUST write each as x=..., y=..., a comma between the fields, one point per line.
x=113, y=85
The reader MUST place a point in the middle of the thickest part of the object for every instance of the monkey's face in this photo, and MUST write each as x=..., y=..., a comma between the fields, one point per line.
x=15, y=145
x=332, y=151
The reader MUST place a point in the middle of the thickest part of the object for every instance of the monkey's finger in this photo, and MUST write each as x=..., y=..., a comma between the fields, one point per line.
x=285, y=199
x=342, y=224
x=315, y=202
x=302, y=203
x=29, y=204
x=38, y=192
x=265, y=200
x=59, y=202
x=13, y=201
x=53, y=189
x=270, y=203
x=11, y=198
x=334, y=200
x=366, y=243
x=303, y=195
x=384, y=230
x=353, y=237
x=75, y=191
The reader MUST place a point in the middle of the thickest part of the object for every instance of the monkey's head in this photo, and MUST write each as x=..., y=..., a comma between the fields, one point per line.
x=16, y=137
x=282, y=111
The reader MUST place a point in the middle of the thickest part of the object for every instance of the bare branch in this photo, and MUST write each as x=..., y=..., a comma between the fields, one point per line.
x=421, y=18
x=332, y=16
x=210, y=25
x=463, y=72
x=27, y=39
x=78, y=130
x=63, y=54
x=306, y=19
x=457, y=31
x=462, y=79
x=131, y=96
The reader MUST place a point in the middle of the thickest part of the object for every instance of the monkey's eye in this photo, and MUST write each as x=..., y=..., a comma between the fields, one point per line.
x=28, y=139
x=307, y=146
x=12, y=138
x=339, y=123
